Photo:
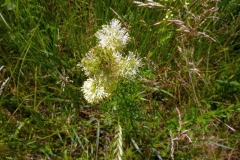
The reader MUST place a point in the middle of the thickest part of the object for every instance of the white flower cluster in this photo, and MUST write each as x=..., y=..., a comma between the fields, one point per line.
x=105, y=65
x=113, y=36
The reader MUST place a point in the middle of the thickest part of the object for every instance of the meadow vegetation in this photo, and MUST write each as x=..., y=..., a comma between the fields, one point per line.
x=183, y=104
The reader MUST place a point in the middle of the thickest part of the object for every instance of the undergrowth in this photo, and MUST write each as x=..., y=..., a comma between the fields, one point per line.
x=184, y=103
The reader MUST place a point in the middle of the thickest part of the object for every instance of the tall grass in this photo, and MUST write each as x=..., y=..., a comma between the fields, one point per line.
x=183, y=105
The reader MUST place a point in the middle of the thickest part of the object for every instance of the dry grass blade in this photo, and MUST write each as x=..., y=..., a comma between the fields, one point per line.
x=149, y=4
x=4, y=83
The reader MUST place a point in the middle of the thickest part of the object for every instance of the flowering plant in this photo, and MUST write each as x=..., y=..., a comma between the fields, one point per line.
x=105, y=63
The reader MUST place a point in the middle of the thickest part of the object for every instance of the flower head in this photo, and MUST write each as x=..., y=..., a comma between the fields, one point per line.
x=113, y=36
x=93, y=91
x=92, y=61
x=130, y=65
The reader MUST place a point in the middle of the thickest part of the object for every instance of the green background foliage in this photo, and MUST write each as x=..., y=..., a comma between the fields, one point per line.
x=185, y=98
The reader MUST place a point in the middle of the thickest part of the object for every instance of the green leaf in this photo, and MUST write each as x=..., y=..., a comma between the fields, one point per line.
x=7, y=2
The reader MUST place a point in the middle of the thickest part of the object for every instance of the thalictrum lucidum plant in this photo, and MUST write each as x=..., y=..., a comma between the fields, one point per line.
x=105, y=64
